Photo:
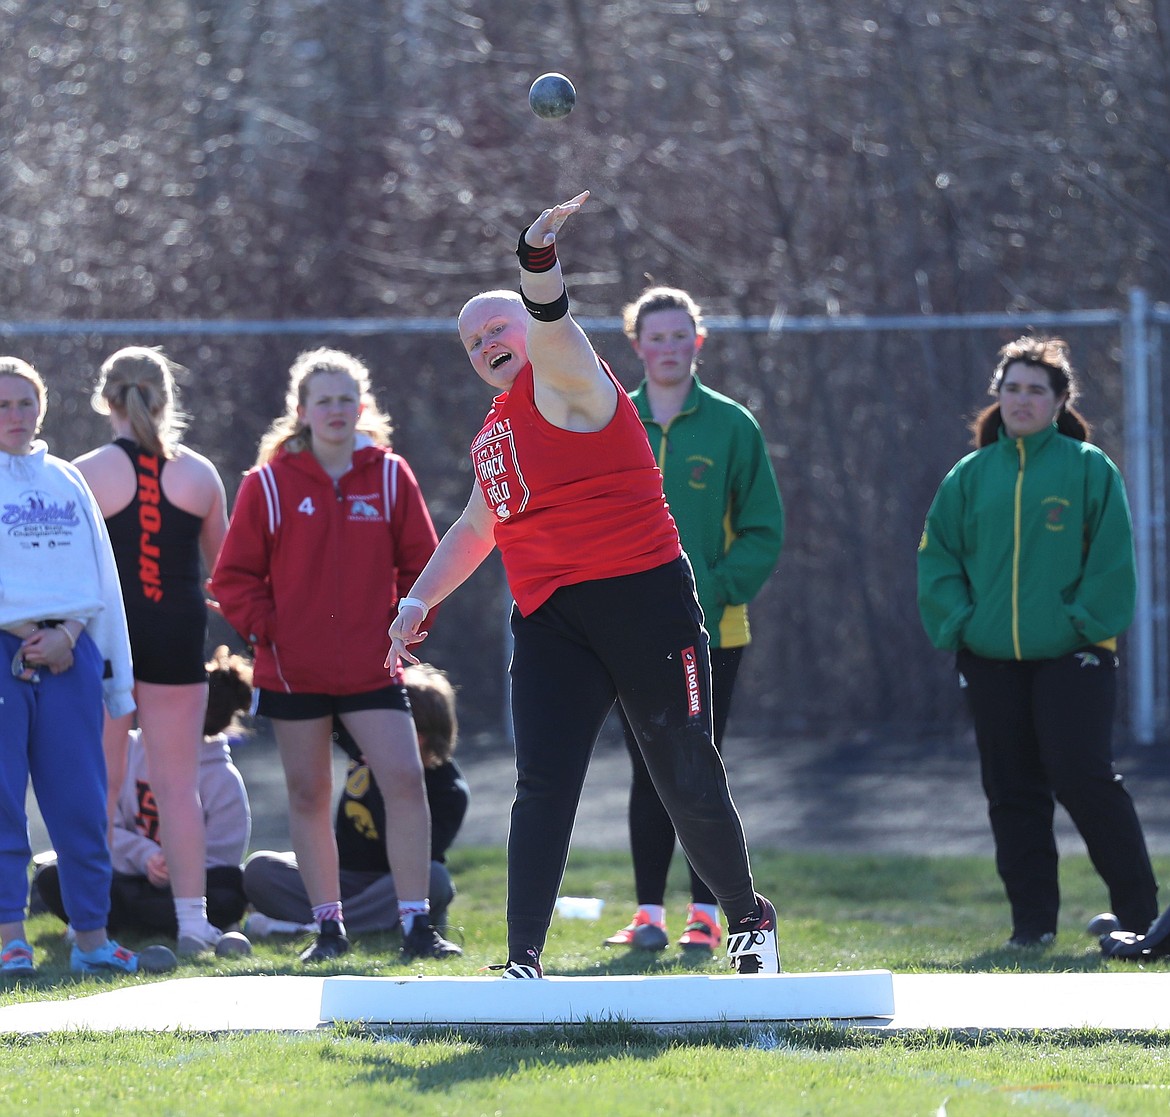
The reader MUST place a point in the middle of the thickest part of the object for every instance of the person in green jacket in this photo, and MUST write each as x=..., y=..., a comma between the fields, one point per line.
x=722, y=492
x=1026, y=570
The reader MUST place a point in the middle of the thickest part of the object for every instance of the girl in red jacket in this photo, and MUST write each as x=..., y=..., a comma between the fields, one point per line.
x=326, y=512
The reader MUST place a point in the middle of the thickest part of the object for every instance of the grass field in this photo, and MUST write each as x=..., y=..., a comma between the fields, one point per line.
x=909, y=915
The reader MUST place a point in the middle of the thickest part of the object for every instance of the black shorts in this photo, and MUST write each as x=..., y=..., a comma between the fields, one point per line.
x=168, y=646
x=304, y=707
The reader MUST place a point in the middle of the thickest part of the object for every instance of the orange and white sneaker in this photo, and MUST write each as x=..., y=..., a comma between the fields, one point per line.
x=702, y=933
x=642, y=934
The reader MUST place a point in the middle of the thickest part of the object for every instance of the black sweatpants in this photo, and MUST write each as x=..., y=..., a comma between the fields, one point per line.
x=638, y=639
x=652, y=836
x=1044, y=729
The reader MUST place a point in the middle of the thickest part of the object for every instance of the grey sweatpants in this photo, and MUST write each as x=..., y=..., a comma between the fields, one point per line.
x=273, y=885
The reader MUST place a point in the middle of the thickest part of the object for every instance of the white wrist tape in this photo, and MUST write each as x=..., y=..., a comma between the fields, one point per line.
x=417, y=602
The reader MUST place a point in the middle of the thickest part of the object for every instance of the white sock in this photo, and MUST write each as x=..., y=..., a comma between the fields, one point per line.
x=191, y=915
x=332, y=911
x=656, y=912
x=711, y=911
x=410, y=910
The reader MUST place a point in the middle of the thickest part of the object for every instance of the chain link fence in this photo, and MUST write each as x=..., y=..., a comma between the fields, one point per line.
x=863, y=417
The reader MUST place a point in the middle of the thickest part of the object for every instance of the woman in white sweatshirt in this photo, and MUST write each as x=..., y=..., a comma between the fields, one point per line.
x=63, y=629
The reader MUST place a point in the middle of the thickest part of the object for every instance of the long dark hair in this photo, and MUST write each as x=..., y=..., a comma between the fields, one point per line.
x=1050, y=354
x=229, y=691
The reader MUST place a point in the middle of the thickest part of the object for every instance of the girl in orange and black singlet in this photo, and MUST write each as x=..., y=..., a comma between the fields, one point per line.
x=166, y=511
x=157, y=544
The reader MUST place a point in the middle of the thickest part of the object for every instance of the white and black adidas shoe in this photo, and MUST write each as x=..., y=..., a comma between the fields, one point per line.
x=751, y=943
x=525, y=969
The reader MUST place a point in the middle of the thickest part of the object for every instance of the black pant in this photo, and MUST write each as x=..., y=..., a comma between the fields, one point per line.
x=652, y=836
x=138, y=907
x=638, y=639
x=1044, y=729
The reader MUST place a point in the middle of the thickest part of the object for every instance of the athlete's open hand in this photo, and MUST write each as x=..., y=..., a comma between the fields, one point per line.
x=404, y=634
x=543, y=231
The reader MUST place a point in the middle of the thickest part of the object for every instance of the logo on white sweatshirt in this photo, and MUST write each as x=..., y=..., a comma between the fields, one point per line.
x=38, y=514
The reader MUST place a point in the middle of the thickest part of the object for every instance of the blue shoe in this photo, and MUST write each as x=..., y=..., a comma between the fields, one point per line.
x=17, y=959
x=107, y=958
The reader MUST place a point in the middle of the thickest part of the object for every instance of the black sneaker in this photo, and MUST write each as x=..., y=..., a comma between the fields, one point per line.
x=1155, y=943
x=423, y=941
x=1022, y=941
x=751, y=943
x=331, y=943
x=1157, y=938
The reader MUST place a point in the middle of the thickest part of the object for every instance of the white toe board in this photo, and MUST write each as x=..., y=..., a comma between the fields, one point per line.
x=576, y=1000
x=200, y=1004
x=1137, y=1001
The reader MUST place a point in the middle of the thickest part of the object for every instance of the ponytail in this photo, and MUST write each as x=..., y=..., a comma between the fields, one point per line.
x=138, y=383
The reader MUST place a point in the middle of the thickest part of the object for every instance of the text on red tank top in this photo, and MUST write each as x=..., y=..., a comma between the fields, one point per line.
x=493, y=453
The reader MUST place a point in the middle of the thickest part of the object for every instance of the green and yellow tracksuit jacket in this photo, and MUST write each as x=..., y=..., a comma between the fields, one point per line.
x=1027, y=551
x=722, y=492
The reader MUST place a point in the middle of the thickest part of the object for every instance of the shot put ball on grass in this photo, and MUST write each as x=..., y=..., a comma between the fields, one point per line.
x=233, y=943
x=552, y=96
x=156, y=959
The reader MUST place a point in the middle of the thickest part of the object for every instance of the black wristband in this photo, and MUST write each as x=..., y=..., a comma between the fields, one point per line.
x=547, y=312
x=536, y=259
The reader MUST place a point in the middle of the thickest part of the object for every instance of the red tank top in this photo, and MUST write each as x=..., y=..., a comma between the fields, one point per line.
x=571, y=506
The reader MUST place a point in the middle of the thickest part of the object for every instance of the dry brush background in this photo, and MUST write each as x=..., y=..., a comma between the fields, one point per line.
x=290, y=159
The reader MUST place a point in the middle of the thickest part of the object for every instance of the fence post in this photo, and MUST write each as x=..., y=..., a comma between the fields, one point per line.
x=1158, y=521
x=1136, y=365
